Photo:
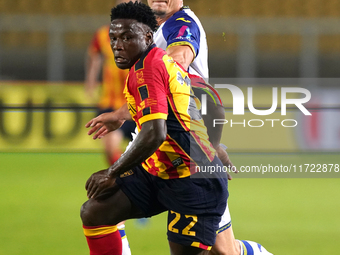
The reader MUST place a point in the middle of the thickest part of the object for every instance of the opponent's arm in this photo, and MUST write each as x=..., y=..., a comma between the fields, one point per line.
x=182, y=54
x=92, y=70
x=151, y=136
x=216, y=111
x=108, y=122
x=215, y=133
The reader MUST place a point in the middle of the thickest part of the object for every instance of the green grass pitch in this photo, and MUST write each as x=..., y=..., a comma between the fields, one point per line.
x=41, y=194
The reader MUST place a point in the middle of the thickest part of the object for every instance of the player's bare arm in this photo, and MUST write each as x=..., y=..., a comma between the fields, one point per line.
x=108, y=122
x=92, y=67
x=215, y=134
x=216, y=111
x=151, y=136
x=182, y=54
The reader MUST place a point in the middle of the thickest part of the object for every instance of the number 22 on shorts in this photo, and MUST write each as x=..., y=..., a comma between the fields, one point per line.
x=186, y=231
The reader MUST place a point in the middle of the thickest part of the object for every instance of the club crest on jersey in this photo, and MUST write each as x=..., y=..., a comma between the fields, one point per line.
x=186, y=80
x=140, y=78
x=183, y=19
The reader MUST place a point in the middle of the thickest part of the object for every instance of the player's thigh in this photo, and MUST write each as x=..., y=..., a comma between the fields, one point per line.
x=179, y=249
x=110, y=208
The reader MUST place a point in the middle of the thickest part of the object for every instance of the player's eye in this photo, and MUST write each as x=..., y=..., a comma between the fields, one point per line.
x=126, y=38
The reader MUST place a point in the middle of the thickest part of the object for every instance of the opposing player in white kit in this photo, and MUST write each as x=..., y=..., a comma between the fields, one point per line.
x=182, y=36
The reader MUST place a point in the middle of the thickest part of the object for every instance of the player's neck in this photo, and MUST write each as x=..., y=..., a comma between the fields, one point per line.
x=160, y=20
x=165, y=17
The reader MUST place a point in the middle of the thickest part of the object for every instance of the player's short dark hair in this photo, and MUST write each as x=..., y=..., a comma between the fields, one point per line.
x=137, y=10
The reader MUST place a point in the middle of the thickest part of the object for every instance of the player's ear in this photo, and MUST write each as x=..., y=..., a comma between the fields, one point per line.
x=149, y=38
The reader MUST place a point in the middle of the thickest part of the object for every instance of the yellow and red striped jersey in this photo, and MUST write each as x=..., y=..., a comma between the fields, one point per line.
x=157, y=88
x=113, y=78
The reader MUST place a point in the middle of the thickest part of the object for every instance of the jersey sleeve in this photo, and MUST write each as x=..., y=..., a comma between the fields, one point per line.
x=182, y=30
x=129, y=99
x=94, y=46
x=151, y=97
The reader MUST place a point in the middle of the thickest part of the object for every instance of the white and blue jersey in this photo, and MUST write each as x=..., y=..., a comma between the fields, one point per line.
x=184, y=28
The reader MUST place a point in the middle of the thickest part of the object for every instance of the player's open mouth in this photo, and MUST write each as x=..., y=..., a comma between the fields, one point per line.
x=159, y=2
x=120, y=59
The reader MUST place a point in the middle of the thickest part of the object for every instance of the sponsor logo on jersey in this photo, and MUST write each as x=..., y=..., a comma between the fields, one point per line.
x=182, y=19
x=186, y=80
x=184, y=30
x=126, y=174
x=177, y=162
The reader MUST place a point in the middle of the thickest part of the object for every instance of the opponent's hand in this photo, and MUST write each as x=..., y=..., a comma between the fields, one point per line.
x=224, y=157
x=98, y=182
x=103, y=124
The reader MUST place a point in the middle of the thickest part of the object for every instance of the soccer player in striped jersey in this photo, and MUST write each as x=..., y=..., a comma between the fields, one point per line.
x=100, y=59
x=183, y=37
x=157, y=173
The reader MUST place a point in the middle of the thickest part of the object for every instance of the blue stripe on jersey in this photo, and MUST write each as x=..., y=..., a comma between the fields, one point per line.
x=225, y=227
x=122, y=232
x=250, y=250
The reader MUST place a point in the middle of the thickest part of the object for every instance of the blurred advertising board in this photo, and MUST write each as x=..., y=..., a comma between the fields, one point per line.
x=41, y=116
x=263, y=118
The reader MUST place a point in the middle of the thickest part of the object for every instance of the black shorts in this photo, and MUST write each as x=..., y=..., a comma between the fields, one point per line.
x=128, y=127
x=194, y=205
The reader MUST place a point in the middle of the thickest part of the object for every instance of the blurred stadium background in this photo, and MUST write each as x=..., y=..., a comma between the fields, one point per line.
x=46, y=39
x=46, y=156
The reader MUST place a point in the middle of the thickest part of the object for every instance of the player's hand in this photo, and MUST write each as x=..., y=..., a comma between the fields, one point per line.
x=103, y=124
x=224, y=157
x=98, y=182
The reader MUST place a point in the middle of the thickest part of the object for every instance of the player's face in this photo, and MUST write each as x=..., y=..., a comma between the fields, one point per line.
x=129, y=39
x=125, y=1
x=165, y=7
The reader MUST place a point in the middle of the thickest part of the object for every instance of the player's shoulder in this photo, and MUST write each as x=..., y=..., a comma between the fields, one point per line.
x=183, y=17
x=151, y=59
x=155, y=56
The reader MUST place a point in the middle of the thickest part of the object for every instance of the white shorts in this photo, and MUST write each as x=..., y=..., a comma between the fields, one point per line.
x=225, y=222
